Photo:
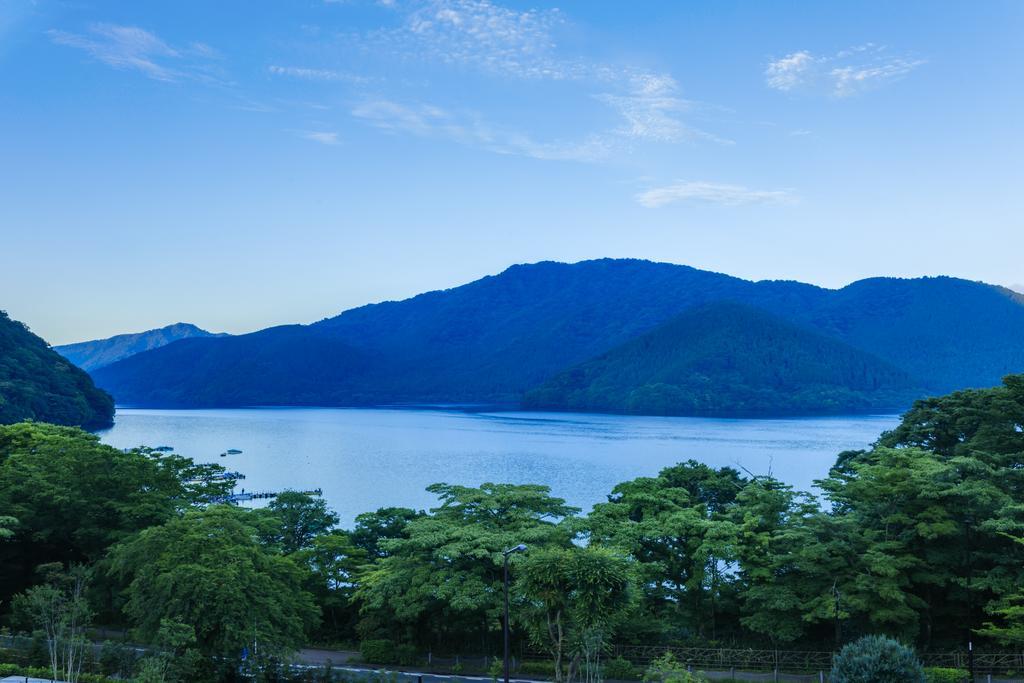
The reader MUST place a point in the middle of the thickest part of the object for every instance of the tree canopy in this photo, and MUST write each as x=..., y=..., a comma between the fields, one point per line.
x=37, y=383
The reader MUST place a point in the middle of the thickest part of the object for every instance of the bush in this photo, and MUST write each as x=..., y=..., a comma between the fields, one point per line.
x=666, y=669
x=406, y=655
x=45, y=673
x=620, y=669
x=938, y=674
x=378, y=651
x=876, y=659
x=535, y=668
x=117, y=660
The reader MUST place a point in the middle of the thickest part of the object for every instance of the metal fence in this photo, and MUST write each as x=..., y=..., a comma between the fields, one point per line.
x=801, y=661
x=791, y=666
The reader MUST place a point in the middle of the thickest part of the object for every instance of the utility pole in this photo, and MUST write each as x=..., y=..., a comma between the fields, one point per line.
x=505, y=554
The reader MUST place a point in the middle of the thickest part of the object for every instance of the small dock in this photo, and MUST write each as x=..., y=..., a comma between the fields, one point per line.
x=220, y=476
x=246, y=496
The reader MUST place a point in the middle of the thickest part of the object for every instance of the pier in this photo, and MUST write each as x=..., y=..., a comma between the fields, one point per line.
x=245, y=496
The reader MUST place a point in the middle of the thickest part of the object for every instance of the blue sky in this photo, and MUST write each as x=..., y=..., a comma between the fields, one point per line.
x=243, y=164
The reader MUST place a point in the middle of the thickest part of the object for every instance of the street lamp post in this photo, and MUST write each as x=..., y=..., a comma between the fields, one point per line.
x=505, y=554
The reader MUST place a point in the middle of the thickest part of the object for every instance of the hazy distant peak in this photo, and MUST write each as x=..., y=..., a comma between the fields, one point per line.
x=91, y=355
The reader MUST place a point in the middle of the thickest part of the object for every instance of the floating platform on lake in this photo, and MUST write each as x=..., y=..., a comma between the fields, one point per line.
x=246, y=496
x=221, y=476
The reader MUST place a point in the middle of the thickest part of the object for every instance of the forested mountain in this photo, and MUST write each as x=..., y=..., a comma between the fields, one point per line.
x=90, y=355
x=727, y=358
x=494, y=339
x=37, y=383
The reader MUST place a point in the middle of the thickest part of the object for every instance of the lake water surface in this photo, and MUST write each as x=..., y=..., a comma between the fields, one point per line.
x=364, y=459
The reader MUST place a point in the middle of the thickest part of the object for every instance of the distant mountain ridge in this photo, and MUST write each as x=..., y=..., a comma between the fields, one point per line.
x=726, y=358
x=36, y=383
x=90, y=355
x=495, y=339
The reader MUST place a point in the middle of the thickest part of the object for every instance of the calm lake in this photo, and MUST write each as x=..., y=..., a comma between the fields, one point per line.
x=366, y=459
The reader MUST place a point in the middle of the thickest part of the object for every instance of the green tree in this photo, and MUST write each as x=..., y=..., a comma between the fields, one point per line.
x=59, y=609
x=207, y=569
x=176, y=660
x=1009, y=611
x=897, y=505
x=442, y=583
x=573, y=599
x=333, y=563
x=74, y=497
x=7, y=525
x=385, y=524
x=677, y=528
x=770, y=525
x=300, y=519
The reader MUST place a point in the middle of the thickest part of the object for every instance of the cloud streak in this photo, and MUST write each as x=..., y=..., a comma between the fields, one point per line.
x=130, y=48
x=712, y=193
x=322, y=136
x=308, y=74
x=430, y=121
x=844, y=74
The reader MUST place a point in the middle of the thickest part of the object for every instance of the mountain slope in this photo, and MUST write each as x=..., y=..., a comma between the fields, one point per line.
x=36, y=383
x=90, y=355
x=729, y=359
x=277, y=366
x=496, y=338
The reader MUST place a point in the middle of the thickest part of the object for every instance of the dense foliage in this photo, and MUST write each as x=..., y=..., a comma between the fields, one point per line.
x=90, y=355
x=37, y=383
x=917, y=539
x=727, y=358
x=495, y=339
x=207, y=569
x=73, y=497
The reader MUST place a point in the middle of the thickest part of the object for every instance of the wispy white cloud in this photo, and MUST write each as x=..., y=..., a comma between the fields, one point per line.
x=131, y=48
x=791, y=71
x=308, y=74
x=483, y=36
x=842, y=74
x=427, y=120
x=714, y=193
x=322, y=136
x=651, y=109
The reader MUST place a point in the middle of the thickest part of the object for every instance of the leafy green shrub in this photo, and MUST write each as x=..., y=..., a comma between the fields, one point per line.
x=117, y=660
x=8, y=669
x=938, y=674
x=876, y=659
x=621, y=669
x=542, y=668
x=497, y=669
x=406, y=655
x=666, y=669
x=378, y=651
